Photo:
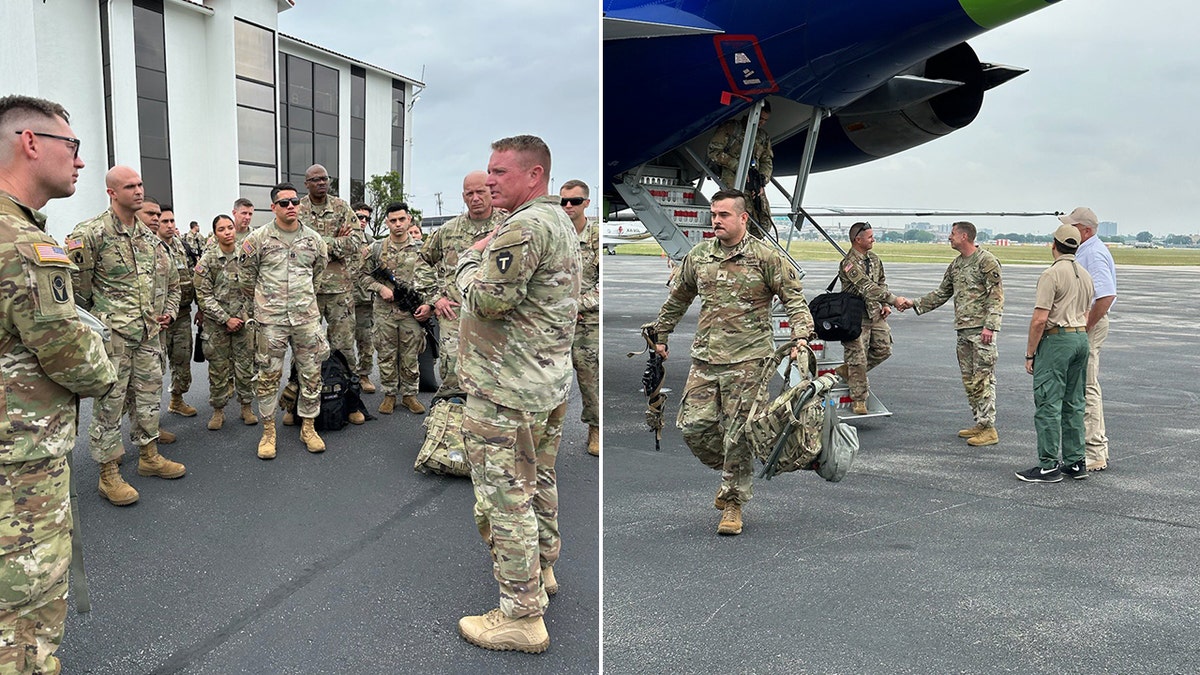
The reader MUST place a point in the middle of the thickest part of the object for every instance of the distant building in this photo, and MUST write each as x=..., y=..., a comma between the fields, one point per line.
x=1107, y=228
x=205, y=98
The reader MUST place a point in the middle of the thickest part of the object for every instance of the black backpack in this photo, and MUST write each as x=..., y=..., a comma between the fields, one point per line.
x=341, y=393
x=837, y=316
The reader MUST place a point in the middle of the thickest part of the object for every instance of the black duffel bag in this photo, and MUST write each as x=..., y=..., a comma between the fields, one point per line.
x=837, y=316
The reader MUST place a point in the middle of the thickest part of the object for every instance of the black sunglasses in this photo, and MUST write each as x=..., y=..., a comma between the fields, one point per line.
x=282, y=203
x=68, y=139
x=363, y=218
x=573, y=201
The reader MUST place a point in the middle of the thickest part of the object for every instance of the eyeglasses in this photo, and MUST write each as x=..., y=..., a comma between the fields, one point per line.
x=573, y=201
x=363, y=217
x=283, y=203
x=317, y=179
x=67, y=139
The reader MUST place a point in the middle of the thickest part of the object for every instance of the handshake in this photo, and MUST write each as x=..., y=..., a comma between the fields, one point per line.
x=902, y=303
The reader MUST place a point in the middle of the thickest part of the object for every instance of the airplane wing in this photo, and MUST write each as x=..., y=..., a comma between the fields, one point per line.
x=653, y=21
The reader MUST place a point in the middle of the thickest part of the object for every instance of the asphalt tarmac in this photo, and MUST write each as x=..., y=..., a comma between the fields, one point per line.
x=341, y=562
x=930, y=557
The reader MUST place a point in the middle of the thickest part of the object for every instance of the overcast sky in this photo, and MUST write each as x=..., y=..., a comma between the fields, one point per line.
x=491, y=70
x=1105, y=117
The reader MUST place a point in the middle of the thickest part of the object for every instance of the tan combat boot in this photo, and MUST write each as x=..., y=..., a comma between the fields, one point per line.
x=719, y=502
x=113, y=487
x=387, y=405
x=494, y=630
x=593, y=441
x=165, y=437
x=414, y=406
x=731, y=519
x=548, y=581
x=180, y=407
x=986, y=437
x=308, y=434
x=266, y=446
x=217, y=421
x=973, y=431
x=248, y=416
x=859, y=407
x=289, y=419
x=368, y=387
x=150, y=463
x=357, y=417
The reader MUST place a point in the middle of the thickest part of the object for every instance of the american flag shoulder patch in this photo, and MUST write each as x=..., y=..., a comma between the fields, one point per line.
x=73, y=244
x=247, y=247
x=51, y=253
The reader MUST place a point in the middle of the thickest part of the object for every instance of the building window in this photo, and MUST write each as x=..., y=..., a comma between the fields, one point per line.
x=308, y=121
x=254, y=70
x=398, y=128
x=150, y=61
x=358, y=126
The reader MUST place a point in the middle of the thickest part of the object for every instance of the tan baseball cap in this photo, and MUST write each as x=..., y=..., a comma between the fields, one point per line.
x=1067, y=236
x=1082, y=215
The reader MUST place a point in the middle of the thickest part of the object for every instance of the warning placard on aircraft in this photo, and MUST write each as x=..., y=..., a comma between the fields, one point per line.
x=744, y=65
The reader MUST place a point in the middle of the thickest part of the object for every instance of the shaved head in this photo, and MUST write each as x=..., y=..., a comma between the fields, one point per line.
x=476, y=195
x=125, y=191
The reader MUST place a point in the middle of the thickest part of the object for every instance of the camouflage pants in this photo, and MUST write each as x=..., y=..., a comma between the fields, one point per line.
x=715, y=396
x=177, y=345
x=977, y=362
x=309, y=349
x=35, y=557
x=230, y=363
x=512, y=456
x=338, y=311
x=585, y=356
x=449, y=359
x=400, y=341
x=873, y=347
x=139, y=379
x=363, y=323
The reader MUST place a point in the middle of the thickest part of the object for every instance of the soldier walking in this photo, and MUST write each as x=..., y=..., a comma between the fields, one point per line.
x=127, y=279
x=724, y=153
x=278, y=266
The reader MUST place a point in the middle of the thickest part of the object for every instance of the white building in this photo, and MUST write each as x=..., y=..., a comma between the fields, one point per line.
x=205, y=98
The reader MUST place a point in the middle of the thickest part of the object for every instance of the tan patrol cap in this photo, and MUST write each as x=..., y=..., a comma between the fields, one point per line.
x=1082, y=215
x=1067, y=236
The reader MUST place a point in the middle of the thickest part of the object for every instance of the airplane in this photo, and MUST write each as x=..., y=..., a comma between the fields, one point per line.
x=849, y=81
x=615, y=233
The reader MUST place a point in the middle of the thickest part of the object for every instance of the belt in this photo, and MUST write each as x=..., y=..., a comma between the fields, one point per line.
x=1065, y=329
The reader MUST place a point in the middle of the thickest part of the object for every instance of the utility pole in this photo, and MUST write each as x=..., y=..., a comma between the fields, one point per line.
x=438, y=195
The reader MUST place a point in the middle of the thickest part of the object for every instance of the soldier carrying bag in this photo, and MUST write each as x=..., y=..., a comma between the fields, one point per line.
x=444, y=451
x=837, y=316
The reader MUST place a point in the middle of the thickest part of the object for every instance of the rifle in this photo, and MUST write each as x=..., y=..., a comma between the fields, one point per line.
x=652, y=379
x=405, y=296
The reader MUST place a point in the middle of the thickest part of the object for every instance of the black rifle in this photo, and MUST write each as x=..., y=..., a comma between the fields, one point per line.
x=405, y=296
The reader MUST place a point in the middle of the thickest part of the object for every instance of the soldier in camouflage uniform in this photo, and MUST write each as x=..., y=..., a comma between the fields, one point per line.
x=364, y=317
x=724, y=150
x=48, y=359
x=193, y=242
x=973, y=280
x=177, y=338
x=332, y=219
x=243, y=213
x=520, y=290
x=736, y=278
x=585, y=352
x=278, y=266
x=228, y=342
x=126, y=278
x=398, y=333
x=441, y=252
x=862, y=274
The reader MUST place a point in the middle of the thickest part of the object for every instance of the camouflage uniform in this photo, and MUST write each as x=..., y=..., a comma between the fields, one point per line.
x=278, y=270
x=194, y=243
x=47, y=359
x=230, y=355
x=520, y=303
x=862, y=274
x=724, y=150
x=398, y=335
x=126, y=278
x=335, y=286
x=974, y=283
x=733, y=340
x=440, y=252
x=177, y=338
x=585, y=352
x=364, y=322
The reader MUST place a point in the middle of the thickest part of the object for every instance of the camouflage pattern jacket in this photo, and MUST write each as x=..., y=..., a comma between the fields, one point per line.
x=280, y=276
x=125, y=277
x=736, y=288
x=187, y=292
x=725, y=148
x=440, y=252
x=218, y=285
x=345, y=252
x=399, y=259
x=520, y=305
x=589, y=277
x=47, y=355
x=861, y=273
x=974, y=283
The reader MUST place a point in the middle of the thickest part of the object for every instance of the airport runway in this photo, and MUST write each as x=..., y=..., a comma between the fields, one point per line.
x=930, y=557
x=343, y=562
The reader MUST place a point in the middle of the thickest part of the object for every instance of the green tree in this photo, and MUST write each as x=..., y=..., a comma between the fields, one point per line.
x=1145, y=236
x=380, y=191
x=919, y=236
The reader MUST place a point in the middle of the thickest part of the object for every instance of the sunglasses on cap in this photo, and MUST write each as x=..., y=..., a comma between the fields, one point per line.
x=573, y=201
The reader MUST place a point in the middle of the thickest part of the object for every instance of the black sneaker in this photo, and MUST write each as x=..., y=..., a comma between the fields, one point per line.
x=1078, y=470
x=1039, y=475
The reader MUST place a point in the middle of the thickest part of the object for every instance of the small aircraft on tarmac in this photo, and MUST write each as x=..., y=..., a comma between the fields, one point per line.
x=615, y=233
